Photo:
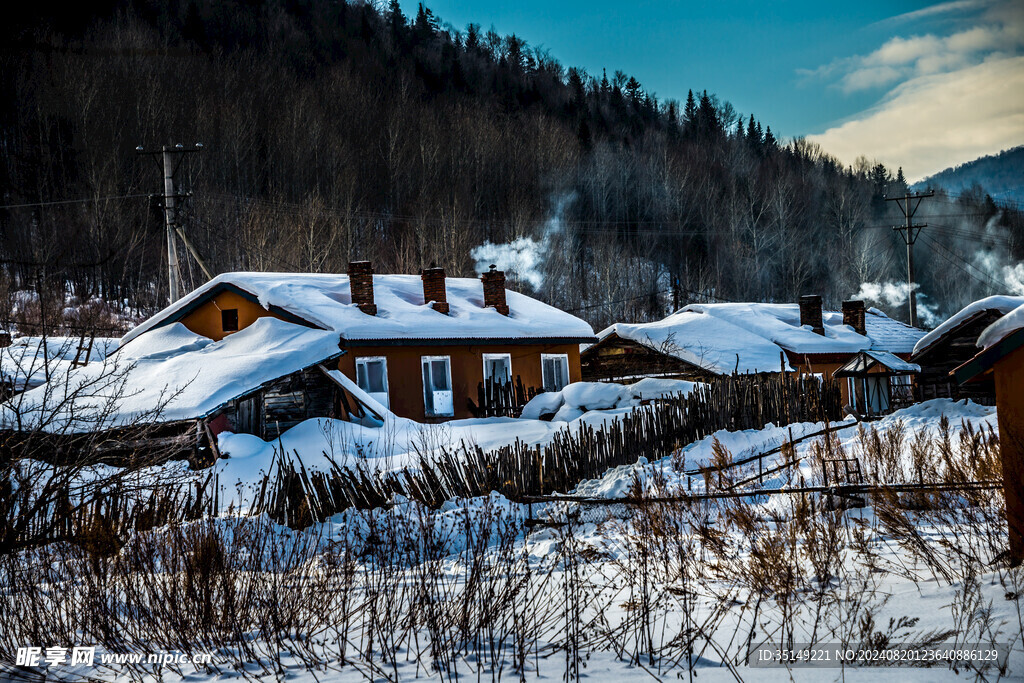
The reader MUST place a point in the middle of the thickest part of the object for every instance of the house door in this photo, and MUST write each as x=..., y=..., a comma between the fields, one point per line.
x=249, y=415
x=878, y=395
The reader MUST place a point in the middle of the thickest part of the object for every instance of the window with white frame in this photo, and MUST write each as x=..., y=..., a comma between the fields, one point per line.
x=555, y=370
x=438, y=399
x=498, y=367
x=372, y=377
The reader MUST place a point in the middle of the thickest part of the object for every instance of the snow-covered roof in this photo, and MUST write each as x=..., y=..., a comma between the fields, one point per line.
x=186, y=375
x=864, y=360
x=1002, y=328
x=28, y=361
x=749, y=337
x=326, y=301
x=1002, y=304
x=893, y=362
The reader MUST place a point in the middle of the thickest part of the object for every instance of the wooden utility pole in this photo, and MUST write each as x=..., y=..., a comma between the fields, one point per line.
x=173, y=274
x=908, y=206
x=171, y=159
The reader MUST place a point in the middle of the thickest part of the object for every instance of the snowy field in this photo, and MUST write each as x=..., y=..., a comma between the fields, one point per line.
x=605, y=593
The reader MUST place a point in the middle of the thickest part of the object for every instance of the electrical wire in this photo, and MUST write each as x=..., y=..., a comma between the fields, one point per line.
x=986, y=280
x=73, y=201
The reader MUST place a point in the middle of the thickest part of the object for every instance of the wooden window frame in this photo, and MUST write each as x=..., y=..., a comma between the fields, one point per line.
x=564, y=357
x=428, y=409
x=498, y=356
x=387, y=385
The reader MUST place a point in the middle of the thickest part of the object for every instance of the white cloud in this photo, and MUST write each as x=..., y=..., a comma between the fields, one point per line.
x=950, y=99
x=931, y=122
x=941, y=8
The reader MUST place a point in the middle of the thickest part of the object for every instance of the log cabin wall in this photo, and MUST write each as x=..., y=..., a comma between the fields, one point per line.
x=618, y=359
x=824, y=364
x=405, y=379
x=280, y=405
x=954, y=349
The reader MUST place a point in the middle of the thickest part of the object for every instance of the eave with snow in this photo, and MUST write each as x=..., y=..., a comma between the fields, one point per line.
x=260, y=352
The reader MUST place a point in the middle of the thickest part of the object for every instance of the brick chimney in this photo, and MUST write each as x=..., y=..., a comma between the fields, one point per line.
x=853, y=315
x=810, y=313
x=494, y=289
x=360, y=282
x=433, y=289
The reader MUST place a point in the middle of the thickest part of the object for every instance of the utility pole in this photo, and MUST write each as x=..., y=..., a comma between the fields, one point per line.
x=171, y=158
x=908, y=206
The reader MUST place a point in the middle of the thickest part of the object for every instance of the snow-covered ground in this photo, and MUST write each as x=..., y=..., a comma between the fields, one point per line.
x=613, y=593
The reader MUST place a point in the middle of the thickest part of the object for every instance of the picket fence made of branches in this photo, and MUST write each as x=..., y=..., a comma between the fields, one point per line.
x=518, y=471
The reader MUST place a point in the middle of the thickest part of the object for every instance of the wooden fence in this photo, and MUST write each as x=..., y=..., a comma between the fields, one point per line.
x=100, y=520
x=297, y=496
x=519, y=470
x=501, y=399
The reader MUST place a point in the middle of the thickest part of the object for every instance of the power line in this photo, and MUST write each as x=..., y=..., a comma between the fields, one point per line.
x=949, y=256
x=73, y=201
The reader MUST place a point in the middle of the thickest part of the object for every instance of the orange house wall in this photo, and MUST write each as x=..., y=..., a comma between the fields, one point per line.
x=1009, y=380
x=206, y=320
x=806, y=365
x=405, y=379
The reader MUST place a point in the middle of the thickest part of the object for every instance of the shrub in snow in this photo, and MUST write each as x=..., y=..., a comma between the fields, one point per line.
x=542, y=404
x=595, y=395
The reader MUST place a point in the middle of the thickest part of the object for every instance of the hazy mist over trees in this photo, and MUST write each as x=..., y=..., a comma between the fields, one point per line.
x=336, y=131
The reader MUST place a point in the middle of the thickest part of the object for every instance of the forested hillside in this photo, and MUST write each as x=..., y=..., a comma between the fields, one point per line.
x=1001, y=175
x=341, y=130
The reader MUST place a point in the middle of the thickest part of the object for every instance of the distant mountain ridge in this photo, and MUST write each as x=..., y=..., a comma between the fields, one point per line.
x=1000, y=175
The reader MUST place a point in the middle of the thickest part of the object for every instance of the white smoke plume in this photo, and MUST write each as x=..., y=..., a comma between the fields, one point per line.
x=894, y=295
x=523, y=257
x=1014, y=278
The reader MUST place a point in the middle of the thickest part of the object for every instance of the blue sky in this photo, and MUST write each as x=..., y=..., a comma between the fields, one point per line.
x=859, y=78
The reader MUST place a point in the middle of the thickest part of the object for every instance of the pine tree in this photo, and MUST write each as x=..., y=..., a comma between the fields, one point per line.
x=472, y=37
x=672, y=115
x=708, y=125
x=633, y=91
x=425, y=25
x=769, y=140
x=753, y=132
x=396, y=21
x=689, y=112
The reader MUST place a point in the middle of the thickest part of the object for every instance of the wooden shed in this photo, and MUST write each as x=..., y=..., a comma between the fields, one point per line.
x=952, y=344
x=878, y=382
